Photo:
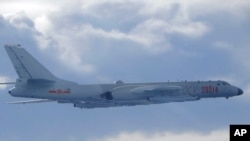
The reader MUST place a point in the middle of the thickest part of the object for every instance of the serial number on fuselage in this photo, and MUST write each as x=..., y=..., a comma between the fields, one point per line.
x=209, y=89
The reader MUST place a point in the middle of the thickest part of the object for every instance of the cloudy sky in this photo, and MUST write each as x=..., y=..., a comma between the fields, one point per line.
x=100, y=41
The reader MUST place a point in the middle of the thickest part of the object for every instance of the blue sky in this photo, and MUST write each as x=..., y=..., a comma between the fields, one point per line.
x=135, y=41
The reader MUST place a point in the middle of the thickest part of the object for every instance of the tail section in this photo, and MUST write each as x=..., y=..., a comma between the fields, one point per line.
x=26, y=66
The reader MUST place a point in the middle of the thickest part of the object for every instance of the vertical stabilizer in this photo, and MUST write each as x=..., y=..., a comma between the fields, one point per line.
x=26, y=66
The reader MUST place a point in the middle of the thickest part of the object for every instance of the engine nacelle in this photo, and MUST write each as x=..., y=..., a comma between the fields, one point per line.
x=89, y=105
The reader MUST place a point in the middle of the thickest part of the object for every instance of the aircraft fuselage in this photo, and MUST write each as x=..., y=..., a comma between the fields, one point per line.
x=35, y=81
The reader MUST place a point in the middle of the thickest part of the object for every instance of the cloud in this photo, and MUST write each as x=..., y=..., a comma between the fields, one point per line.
x=17, y=28
x=148, y=32
x=33, y=8
x=87, y=35
x=222, y=45
x=238, y=53
x=77, y=33
x=233, y=9
x=196, y=8
x=221, y=135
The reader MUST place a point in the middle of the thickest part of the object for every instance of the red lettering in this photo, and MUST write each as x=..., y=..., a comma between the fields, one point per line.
x=209, y=89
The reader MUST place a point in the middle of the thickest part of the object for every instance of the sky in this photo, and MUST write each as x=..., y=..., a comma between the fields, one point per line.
x=101, y=41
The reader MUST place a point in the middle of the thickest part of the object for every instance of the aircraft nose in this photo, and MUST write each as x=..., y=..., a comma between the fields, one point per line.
x=240, y=91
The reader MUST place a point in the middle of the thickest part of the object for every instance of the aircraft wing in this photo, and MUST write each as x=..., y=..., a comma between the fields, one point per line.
x=163, y=94
x=88, y=105
x=105, y=104
x=149, y=94
x=31, y=101
x=153, y=91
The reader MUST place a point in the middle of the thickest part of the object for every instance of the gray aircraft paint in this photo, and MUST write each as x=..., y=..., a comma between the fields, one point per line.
x=35, y=81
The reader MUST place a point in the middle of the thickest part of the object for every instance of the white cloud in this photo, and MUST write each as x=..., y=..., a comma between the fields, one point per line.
x=43, y=24
x=159, y=27
x=196, y=8
x=33, y=8
x=239, y=54
x=20, y=20
x=72, y=57
x=236, y=9
x=222, y=45
x=74, y=31
x=220, y=135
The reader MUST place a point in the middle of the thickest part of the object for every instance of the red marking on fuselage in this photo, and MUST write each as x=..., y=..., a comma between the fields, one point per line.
x=59, y=91
x=209, y=89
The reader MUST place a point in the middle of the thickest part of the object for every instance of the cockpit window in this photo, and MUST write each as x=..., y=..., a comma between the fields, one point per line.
x=222, y=83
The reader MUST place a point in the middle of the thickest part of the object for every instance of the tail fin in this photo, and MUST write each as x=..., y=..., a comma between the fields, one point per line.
x=26, y=66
